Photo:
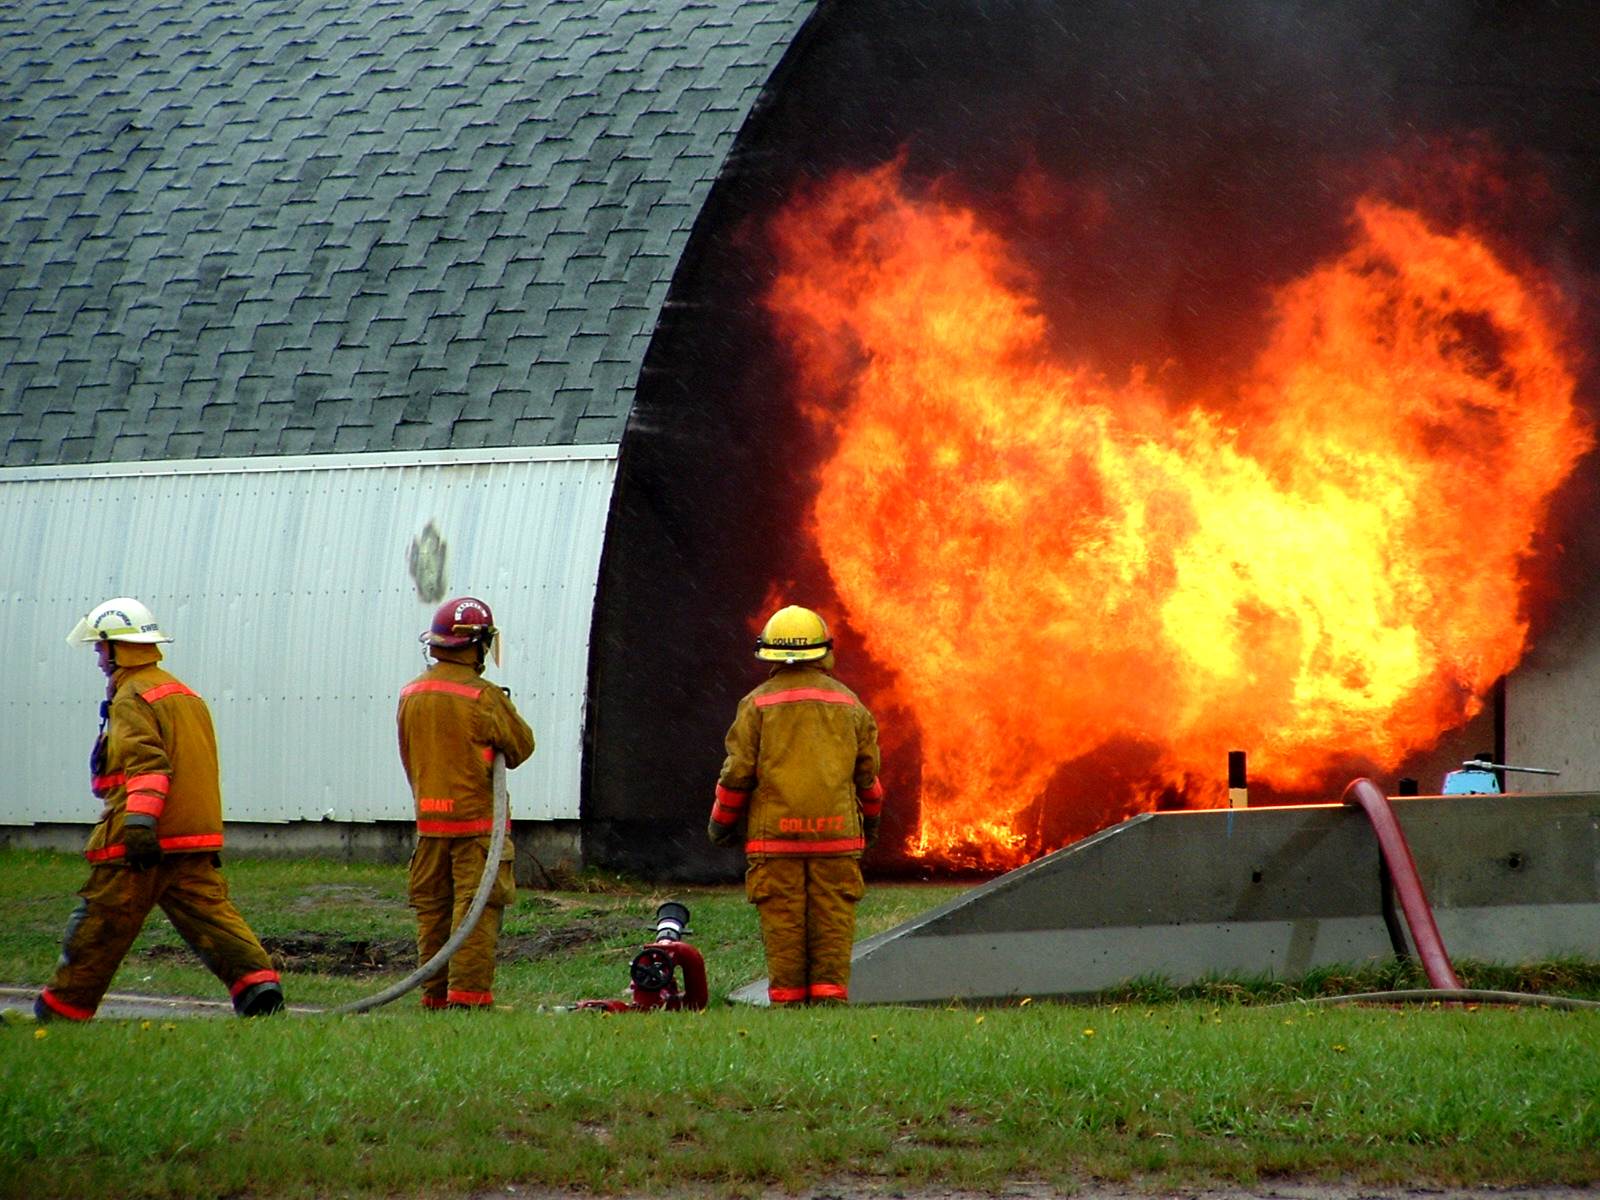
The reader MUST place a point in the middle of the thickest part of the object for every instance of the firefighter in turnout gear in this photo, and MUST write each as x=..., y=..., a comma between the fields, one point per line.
x=801, y=775
x=159, y=836
x=452, y=721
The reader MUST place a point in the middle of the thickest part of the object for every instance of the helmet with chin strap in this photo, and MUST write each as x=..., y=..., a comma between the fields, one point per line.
x=122, y=619
x=464, y=621
x=793, y=634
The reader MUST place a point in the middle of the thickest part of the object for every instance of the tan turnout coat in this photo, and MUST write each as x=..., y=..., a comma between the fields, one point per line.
x=802, y=761
x=157, y=759
x=451, y=721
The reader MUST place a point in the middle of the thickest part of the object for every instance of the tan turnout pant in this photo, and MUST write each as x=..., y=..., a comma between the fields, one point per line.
x=444, y=878
x=112, y=908
x=807, y=907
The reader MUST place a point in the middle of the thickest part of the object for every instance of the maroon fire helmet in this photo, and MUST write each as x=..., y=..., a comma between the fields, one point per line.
x=461, y=622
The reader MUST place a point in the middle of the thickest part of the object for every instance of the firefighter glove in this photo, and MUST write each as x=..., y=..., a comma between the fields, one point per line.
x=99, y=756
x=143, y=848
x=869, y=829
x=722, y=835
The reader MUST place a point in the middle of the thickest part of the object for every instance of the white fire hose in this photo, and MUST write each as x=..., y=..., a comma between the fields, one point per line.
x=480, y=901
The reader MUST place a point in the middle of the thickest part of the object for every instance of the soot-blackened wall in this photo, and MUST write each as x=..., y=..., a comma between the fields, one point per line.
x=1229, y=140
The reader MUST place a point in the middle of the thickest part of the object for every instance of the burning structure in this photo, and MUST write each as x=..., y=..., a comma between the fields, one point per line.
x=1132, y=385
x=1127, y=384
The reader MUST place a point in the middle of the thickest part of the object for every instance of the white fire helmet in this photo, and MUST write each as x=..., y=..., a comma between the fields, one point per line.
x=123, y=619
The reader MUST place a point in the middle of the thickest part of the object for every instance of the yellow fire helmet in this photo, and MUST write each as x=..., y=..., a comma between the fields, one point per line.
x=793, y=634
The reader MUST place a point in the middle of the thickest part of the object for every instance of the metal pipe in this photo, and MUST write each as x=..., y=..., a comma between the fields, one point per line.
x=1238, y=787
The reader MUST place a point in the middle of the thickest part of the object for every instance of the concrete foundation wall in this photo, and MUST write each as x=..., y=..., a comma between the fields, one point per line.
x=1550, y=718
x=1270, y=891
x=546, y=850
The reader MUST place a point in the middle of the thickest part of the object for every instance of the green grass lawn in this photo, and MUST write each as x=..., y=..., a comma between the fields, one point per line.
x=1156, y=1088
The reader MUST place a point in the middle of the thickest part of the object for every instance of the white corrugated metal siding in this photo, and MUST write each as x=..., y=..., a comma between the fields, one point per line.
x=285, y=585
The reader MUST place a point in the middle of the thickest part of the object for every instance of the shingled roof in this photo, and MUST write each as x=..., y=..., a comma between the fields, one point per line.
x=331, y=226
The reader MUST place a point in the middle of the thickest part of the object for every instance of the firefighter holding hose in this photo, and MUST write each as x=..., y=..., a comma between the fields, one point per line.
x=801, y=774
x=159, y=836
x=451, y=723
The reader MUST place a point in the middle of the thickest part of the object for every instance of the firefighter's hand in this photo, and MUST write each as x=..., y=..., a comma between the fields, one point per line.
x=142, y=846
x=869, y=829
x=722, y=835
x=99, y=756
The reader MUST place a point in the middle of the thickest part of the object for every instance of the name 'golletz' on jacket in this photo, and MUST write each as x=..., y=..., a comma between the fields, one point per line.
x=802, y=762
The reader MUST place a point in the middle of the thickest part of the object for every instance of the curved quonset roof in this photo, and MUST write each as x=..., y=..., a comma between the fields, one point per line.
x=303, y=226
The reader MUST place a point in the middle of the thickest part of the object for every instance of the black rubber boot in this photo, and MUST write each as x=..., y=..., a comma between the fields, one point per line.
x=259, y=1000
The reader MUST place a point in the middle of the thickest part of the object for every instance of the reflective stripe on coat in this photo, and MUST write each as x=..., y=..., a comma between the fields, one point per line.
x=159, y=767
x=451, y=720
x=802, y=755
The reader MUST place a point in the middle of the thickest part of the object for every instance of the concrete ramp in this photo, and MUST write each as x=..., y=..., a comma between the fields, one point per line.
x=1249, y=892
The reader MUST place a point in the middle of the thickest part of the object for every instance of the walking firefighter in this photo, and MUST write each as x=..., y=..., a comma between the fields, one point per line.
x=159, y=837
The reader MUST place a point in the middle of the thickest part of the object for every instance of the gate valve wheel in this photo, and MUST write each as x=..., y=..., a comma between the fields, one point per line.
x=651, y=970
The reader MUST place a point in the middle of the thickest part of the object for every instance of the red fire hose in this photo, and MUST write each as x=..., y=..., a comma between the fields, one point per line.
x=1413, y=901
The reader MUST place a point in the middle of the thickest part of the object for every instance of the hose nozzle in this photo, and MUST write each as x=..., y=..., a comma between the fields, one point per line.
x=672, y=921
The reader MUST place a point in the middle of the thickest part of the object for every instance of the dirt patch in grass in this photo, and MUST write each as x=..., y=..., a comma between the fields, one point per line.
x=330, y=954
x=317, y=953
x=570, y=935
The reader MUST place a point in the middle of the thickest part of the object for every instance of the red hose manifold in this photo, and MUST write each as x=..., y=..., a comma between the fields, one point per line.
x=653, y=983
x=652, y=972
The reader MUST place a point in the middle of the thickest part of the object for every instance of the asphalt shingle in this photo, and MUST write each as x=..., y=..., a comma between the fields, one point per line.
x=443, y=223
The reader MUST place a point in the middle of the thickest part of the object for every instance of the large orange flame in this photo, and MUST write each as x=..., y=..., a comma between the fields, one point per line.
x=1049, y=560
